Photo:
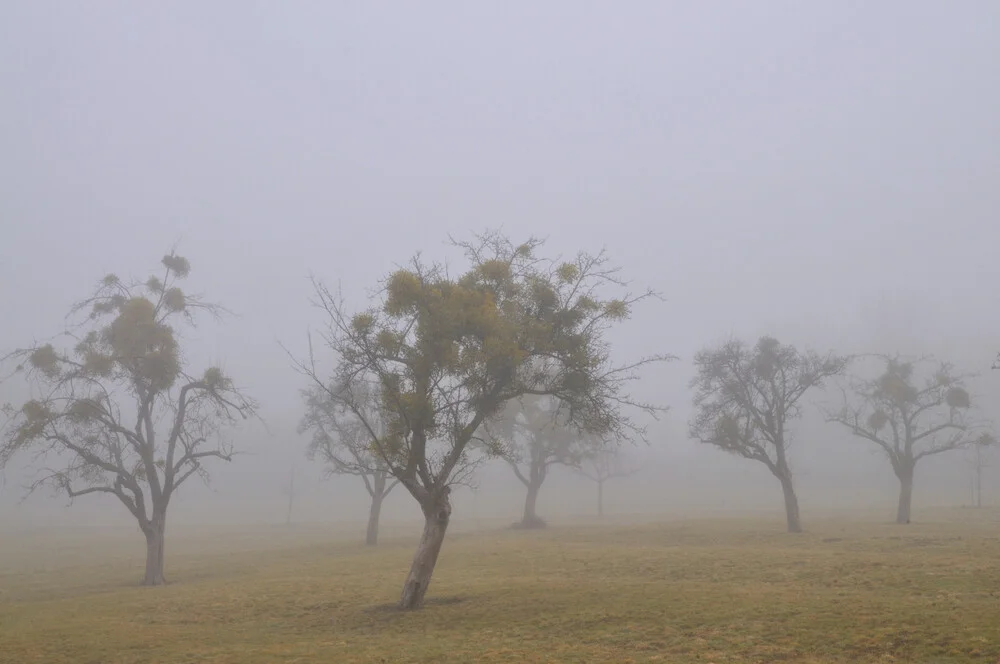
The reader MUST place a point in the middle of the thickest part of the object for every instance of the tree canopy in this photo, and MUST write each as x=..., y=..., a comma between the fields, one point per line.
x=447, y=353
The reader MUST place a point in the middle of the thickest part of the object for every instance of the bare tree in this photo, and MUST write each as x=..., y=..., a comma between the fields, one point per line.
x=745, y=398
x=447, y=353
x=979, y=460
x=907, y=417
x=532, y=437
x=342, y=440
x=118, y=413
x=603, y=464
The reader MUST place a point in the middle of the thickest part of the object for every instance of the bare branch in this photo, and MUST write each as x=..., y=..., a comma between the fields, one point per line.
x=441, y=355
x=925, y=415
x=110, y=409
x=745, y=397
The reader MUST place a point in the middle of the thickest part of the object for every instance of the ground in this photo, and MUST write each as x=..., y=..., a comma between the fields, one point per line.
x=702, y=591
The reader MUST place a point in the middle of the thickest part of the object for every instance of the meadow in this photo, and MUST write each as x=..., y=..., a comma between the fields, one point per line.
x=708, y=590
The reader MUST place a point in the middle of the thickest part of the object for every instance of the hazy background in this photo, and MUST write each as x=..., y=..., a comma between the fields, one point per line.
x=826, y=172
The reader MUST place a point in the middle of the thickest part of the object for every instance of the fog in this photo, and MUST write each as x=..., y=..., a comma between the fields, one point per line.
x=827, y=173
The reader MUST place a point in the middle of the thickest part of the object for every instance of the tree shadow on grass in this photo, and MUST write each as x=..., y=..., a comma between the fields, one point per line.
x=429, y=603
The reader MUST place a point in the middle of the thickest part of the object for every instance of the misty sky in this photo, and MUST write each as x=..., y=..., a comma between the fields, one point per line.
x=827, y=172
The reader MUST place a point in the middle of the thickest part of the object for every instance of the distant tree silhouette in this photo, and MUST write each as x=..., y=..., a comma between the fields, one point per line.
x=979, y=459
x=342, y=440
x=909, y=416
x=601, y=465
x=532, y=436
x=746, y=396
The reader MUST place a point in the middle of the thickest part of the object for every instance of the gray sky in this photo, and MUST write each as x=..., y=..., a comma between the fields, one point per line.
x=828, y=172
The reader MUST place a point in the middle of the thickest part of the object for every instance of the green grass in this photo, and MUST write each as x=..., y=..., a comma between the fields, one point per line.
x=698, y=591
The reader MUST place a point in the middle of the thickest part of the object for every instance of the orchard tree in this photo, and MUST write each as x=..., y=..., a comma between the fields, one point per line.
x=601, y=464
x=531, y=436
x=341, y=440
x=909, y=416
x=979, y=460
x=745, y=398
x=119, y=412
x=448, y=352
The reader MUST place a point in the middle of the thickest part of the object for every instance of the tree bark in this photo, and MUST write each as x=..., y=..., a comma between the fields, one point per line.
x=154, y=531
x=791, y=504
x=905, y=475
x=371, y=538
x=530, y=517
x=437, y=513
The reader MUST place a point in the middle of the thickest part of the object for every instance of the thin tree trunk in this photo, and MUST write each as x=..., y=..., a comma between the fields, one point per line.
x=154, y=531
x=905, y=476
x=371, y=538
x=791, y=504
x=600, y=498
x=437, y=513
x=530, y=518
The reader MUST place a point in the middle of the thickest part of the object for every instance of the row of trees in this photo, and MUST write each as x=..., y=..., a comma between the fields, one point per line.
x=418, y=380
x=746, y=399
x=508, y=359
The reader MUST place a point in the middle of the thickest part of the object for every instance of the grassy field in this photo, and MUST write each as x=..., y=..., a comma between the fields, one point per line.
x=699, y=591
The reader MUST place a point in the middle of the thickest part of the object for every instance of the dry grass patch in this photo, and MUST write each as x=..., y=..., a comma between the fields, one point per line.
x=707, y=591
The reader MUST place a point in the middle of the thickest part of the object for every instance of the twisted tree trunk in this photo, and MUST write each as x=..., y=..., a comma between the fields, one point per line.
x=437, y=513
x=783, y=472
x=154, y=531
x=791, y=505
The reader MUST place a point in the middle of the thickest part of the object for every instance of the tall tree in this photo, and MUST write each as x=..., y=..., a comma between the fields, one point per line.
x=447, y=353
x=532, y=437
x=342, y=440
x=119, y=413
x=909, y=416
x=745, y=398
x=601, y=464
